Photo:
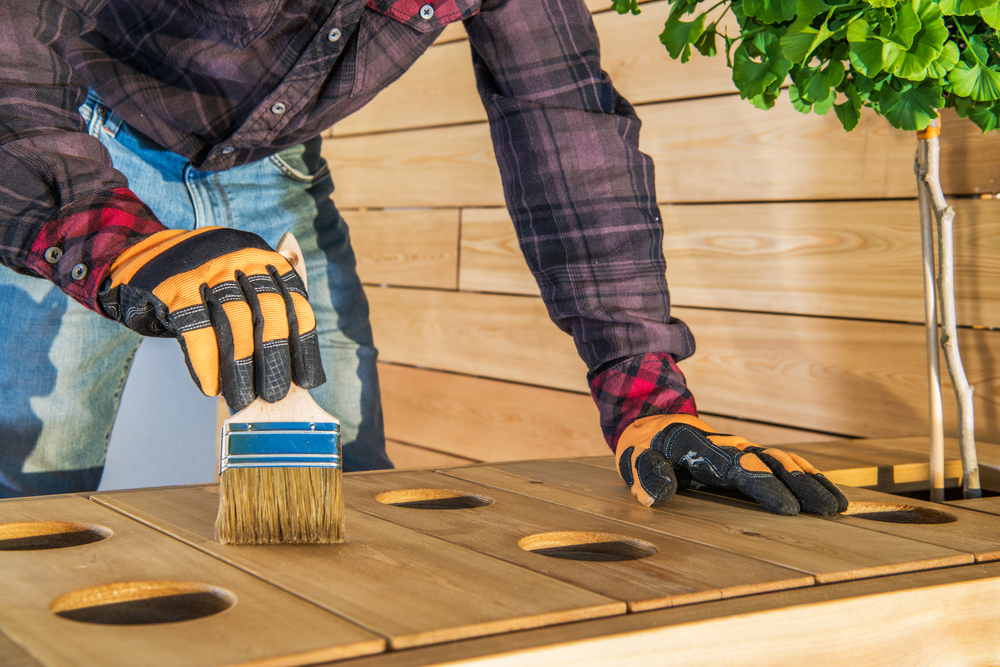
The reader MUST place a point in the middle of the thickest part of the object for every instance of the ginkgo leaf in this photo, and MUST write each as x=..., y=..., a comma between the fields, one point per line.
x=991, y=15
x=913, y=108
x=944, y=62
x=677, y=35
x=980, y=83
x=927, y=45
x=752, y=78
x=770, y=11
x=964, y=7
x=802, y=39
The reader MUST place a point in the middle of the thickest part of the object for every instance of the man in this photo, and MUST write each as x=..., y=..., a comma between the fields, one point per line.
x=153, y=152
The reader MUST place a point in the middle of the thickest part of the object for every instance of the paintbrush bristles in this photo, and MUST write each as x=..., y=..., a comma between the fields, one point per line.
x=281, y=506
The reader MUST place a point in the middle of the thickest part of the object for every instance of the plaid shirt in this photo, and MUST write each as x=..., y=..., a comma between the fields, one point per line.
x=225, y=83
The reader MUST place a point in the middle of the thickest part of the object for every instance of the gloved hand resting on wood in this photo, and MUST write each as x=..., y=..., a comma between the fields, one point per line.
x=661, y=453
x=237, y=307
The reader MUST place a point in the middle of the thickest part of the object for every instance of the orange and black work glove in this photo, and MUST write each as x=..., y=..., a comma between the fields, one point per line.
x=237, y=307
x=661, y=453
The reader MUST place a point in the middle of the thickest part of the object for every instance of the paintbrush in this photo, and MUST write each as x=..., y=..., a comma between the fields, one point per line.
x=281, y=473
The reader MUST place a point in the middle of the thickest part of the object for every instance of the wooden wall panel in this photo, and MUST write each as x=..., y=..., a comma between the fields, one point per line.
x=440, y=89
x=839, y=376
x=487, y=420
x=498, y=336
x=435, y=418
x=411, y=248
x=840, y=259
x=777, y=155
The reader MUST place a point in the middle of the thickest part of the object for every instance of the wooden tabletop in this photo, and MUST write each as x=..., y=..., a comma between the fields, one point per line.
x=534, y=562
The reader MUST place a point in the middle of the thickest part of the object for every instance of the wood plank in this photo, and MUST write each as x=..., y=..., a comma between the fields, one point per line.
x=810, y=373
x=903, y=619
x=678, y=572
x=406, y=248
x=440, y=88
x=830, y=551
x=971, y=532
x=777, y=155
x=988, y=454
x=266, y=626
x=988, y=505
x=485, y=419
x=502, y=337
x=841, y=259
x=404, y=455
x=491, y=259
x=764, y=434
x=830, y=374
x=782, y=154
x=862, y=463
x=12, y=656
x=408, y=587
x=851, y=259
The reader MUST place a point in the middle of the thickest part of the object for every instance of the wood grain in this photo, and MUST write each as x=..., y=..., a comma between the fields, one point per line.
x=12, y=656
x=869, y=464
x=503, y=337
x=485, y=419
x=407, y=248
x=840, y=259
x=988, y=505
x=680, y=572
x=440, y=88
x=404, y=455
x=973, y=532
x=764, y=434
x=411, y=588
x=266, y=626
x=803, y=372
x=828, y=550
x=857, y=378
x=776, y=155
x=901, y=619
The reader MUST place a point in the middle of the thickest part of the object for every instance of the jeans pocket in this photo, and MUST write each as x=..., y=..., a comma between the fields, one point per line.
x=301, y=162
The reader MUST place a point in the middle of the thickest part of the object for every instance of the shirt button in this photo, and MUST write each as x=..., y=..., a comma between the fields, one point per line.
x=227, y=150
x=427, y=12
x=277, y=108
x=334, y=35
x=79, y=272
x=53, y=255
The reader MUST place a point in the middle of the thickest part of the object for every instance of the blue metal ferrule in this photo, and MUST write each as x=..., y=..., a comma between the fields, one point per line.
x=280, y=445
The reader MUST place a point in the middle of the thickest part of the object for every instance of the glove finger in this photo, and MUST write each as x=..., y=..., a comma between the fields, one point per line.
x=303, y=341
x=812, y=495
x=230, y=319
x=272, y=368
x=754, y=478
x=813, y=472
x=649, y=475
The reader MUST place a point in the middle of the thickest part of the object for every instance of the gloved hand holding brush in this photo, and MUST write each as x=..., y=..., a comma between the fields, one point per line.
x=237, y=307
x=661, y=453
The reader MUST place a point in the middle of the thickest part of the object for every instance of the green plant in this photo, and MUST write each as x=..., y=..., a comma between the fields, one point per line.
x=902, y=58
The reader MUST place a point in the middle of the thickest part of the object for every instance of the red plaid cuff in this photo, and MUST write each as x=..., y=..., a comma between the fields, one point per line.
x=647, y=385
x=75, y=250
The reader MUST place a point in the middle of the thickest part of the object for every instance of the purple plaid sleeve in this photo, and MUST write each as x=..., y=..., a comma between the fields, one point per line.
x=582, y=198
x=647, y=385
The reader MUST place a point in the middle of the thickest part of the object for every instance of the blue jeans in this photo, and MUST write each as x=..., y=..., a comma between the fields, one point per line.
x=62, y=367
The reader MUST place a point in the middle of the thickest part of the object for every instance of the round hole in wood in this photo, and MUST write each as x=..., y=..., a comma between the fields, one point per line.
x=38, y=535
x=898, y=513
x=433, y=499
x=142, y=603
x=578, y=545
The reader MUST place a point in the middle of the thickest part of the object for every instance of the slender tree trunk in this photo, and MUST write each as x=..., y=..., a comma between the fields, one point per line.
x=932, y=199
